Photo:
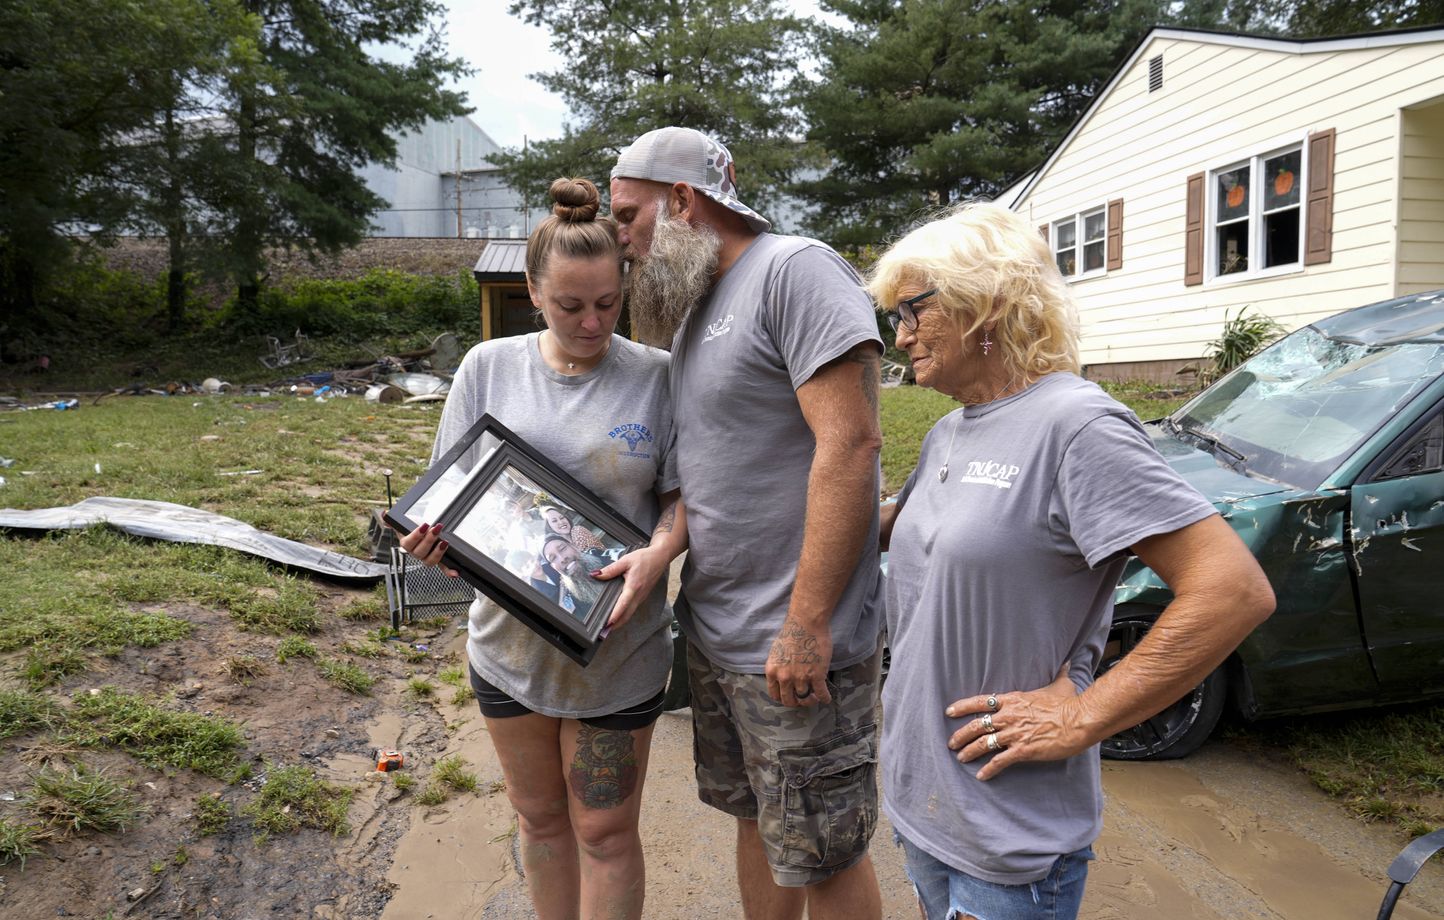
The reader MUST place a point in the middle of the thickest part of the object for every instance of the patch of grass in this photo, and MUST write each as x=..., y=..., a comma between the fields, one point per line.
x=382, y=633
x=908, y=413
x=421, y=688
x=245, y=668
x=158, y=736
x=463, y=696
x=403, y=781
x=452, y=772
x=294, y=797
x=82, y=799
x=345, y=675
x=412, y=655
x=181, y=857
x=21, y=712
x=365, y=609
x=48, y=663
x=363, y=649
x=452, y=675
x=18, y=841
x=294, y=647
x=211, y=815
x=433, y=794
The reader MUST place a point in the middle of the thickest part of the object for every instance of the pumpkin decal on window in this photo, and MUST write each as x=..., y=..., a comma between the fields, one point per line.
x=1235, y=196
x=1283, y=182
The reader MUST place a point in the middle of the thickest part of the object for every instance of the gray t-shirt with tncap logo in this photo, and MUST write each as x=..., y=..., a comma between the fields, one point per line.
x=785, y=308
x=611, y=428
x=998, y=575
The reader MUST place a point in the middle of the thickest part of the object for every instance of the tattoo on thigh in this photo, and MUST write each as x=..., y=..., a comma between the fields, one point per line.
x=604, y=770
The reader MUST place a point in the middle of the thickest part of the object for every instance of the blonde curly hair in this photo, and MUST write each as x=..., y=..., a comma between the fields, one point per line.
x=987, y=264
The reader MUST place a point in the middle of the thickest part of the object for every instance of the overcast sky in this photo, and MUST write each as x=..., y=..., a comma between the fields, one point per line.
x=504, y=50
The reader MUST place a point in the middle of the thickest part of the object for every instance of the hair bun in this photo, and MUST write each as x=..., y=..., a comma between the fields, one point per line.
x=577, y=201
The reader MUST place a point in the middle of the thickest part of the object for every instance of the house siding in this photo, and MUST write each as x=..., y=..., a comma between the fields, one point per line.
x=1421, y=200
x=1221, y=103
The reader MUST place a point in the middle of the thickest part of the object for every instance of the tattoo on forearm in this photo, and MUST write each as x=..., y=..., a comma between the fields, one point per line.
x=870, y=384
x=604, y=770
x=668, y=520
x=795, y=645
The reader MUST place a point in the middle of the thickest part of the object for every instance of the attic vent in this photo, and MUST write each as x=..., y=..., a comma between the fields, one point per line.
x=1155, y=74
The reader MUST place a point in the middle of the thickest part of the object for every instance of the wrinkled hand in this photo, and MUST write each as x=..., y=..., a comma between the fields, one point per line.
x=797, y=665
x=425, y=545
x=1033, y=725
x=640, y=571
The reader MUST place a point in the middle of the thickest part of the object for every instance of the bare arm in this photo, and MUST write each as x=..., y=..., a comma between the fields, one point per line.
x=1220, y=595
x=643, y=568
x=840, y=404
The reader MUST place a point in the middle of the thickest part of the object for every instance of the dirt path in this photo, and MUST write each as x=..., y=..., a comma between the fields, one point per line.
x=1220, y=835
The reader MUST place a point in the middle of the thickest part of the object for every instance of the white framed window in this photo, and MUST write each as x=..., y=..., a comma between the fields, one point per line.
x=1080, y=243
x=1255, y=215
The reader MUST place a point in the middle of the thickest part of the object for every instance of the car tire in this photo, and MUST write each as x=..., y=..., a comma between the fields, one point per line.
x=1183, y=726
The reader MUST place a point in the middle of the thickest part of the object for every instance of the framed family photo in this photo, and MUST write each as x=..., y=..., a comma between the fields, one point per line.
x=524, y=533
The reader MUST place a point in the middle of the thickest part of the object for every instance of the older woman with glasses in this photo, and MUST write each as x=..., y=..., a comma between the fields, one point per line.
x=1005, y=546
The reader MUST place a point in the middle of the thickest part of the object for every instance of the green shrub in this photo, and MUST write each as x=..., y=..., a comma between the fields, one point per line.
x=1243, y=337
x=382, y=302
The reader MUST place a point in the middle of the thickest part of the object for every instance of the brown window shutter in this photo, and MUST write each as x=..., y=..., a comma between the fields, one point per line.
x=1115, y=234
x=1319, y=236
x=1043, y=232
x=1193, y=230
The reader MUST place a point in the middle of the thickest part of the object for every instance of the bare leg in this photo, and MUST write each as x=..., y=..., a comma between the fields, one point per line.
x=529, y=749
x=851, y=894
x=605, y=771
x=762, y=898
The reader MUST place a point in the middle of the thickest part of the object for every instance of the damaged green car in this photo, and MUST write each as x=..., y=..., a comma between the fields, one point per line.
x=1326, y=454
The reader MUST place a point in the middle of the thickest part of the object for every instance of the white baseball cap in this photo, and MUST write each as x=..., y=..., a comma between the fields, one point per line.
x=687, y=155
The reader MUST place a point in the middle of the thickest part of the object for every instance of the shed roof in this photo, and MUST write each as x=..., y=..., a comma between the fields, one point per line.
x=501, y=260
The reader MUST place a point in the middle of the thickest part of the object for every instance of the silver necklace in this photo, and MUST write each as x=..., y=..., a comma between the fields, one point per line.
x=943, y=470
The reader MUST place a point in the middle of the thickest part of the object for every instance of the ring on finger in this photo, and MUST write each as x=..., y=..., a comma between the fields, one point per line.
x=991, y=702
x=987, y=722
x=804, y=693
x=992, y=743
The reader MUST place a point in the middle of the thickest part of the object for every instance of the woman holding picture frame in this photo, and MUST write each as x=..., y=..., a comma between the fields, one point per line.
x=573, y=742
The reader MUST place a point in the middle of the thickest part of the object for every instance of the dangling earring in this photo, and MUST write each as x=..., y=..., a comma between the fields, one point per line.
x=987, y=342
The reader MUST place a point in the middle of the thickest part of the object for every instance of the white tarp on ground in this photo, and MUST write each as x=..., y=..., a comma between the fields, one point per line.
x=181, y=524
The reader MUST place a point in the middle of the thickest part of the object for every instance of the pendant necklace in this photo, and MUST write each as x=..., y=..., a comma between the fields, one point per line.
x=943, y=470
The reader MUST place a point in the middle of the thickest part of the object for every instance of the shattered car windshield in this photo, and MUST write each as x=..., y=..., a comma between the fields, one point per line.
x=1300, y=407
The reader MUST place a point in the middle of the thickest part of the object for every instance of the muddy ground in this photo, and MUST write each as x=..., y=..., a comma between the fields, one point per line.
x=1220, y=835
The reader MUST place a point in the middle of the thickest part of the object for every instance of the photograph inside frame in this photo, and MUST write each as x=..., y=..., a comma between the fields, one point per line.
x=545, y=543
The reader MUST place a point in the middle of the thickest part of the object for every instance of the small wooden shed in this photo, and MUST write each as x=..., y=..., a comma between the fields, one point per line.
x=506, y=308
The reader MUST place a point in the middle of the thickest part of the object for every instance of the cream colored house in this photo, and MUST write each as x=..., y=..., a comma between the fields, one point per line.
x=1217, y=172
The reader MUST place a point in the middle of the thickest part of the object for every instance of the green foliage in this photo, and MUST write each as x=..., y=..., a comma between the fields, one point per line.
x=404, y=782
x=421, y=688
x=82, y=799
x=452, y=675
x=433, y=794
x=1243, y=337
x=908, y=414
x=294, y=647
x=919, y=105
x=17, y=841
x=372, y=607
x=294, y=797
x=347, y=676
x=720, y=66
x=211, y=814
x=382, y=302
x=452, y=772
x=463, y=696
x=21, y=712
x=158, y=736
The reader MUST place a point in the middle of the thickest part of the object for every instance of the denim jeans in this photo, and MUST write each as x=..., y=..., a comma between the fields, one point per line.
x=946, y=893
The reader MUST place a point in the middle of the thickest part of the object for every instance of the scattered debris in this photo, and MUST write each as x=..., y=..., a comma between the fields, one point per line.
x=282, y=355
x=418, y=384
x=213, y=385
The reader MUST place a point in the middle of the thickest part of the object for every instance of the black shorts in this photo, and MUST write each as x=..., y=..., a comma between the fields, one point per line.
x=495, y=703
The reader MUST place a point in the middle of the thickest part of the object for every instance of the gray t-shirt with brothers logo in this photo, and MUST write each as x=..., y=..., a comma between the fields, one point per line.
x=997, y=576
x=611, y=428
x=785, y=308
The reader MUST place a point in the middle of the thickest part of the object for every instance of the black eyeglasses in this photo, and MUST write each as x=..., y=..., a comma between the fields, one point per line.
x=906, y=315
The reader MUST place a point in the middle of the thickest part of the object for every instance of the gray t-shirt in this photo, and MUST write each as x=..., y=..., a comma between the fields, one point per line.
x=611, y=428
x=996, y=577
x=786, y=307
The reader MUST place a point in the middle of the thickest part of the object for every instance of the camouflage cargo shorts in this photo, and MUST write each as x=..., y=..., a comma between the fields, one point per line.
x=807, y=775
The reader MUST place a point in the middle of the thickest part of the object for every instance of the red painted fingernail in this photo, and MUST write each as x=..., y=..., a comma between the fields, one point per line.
x=436, y=528
x=596, y=572
x=423, y=528
x=444, y=545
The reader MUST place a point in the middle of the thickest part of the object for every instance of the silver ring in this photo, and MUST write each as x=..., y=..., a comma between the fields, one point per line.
x=992, y=743
x=992, y=703
x=987, y=721
x=804, y=693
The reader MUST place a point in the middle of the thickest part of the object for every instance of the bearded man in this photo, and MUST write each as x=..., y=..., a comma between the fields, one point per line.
x=774, y=385
x=575, y=568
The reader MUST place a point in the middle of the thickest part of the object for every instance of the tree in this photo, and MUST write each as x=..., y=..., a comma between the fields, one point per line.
x=721, y=66
x=925, y=102
x=322, y=105
x=1317, y=18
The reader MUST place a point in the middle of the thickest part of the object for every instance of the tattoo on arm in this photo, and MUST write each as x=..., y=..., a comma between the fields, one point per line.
x=668, y=520
x=604, y=771
x=795, y=645
x=865, y=355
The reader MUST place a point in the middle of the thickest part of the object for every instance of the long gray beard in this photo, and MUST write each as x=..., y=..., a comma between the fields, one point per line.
x=584, y=588
x=664, y=286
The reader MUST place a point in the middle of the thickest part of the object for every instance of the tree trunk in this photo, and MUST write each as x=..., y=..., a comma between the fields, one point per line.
x=248, y=228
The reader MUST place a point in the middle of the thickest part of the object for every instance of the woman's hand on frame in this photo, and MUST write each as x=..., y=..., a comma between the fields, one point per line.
x=640, y=571
x=425, y=545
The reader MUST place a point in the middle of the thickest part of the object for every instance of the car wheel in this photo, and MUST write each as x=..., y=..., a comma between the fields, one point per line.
x=679, y=690
x=1182, y=727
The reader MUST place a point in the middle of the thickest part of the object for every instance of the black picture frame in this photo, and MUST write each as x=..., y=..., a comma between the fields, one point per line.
x=476, y=492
